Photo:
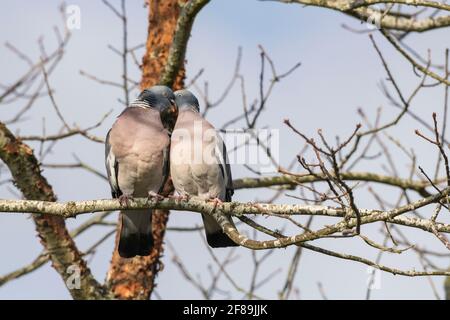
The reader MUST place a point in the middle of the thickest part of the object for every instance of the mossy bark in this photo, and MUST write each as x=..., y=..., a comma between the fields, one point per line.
x=64, y=255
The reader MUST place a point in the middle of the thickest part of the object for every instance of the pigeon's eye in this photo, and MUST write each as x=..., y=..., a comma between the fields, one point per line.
x=165, y=94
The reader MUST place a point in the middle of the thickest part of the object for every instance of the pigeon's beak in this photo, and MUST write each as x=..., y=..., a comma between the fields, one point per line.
x=173, y=109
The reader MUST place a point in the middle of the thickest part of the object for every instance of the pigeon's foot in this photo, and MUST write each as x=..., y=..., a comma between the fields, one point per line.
x=216, y=202
x=181, y=197
x=124, y=199
x=154, y=196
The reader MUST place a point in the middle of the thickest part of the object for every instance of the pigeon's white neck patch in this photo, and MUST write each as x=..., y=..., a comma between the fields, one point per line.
x=139, y=104
x=190, y=107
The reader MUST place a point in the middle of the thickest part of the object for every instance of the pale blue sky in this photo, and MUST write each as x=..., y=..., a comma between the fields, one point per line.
x=340, y=72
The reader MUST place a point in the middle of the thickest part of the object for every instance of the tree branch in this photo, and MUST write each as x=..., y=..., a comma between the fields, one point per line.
x=54, y=236
x=362, y=11
x=298, y=179
x=43, y=257
x=180, y=39
x=72, y=209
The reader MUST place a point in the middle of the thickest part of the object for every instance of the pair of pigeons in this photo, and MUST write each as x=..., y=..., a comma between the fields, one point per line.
x=140, y=154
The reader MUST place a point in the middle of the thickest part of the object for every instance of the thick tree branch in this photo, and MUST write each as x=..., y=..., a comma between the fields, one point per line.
x=263, y=182
x=72, y=209
x=63, y=252
x=43, y=257
x=180, y=39
x=353, y=4
x=362, y=11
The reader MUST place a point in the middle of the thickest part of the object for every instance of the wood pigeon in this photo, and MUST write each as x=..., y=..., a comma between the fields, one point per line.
x=199, y=164
x=137, y=163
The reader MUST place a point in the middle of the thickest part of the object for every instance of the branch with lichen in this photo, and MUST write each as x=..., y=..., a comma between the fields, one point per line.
x=74, y=208
x=362, y=10
x=44, y=257
x=180, y=39
x=289, y=180
x=293, y=180
x=63, y=252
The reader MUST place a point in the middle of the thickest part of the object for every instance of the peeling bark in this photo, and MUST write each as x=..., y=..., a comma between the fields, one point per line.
x=65, y=257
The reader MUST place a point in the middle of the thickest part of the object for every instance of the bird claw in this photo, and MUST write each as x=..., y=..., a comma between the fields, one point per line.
x=124, y=200
x=183, y=197
x=216, y=202
x=154, y=196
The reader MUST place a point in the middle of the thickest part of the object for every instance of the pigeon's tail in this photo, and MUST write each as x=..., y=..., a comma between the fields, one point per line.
x=136, y=237
x=215, y=237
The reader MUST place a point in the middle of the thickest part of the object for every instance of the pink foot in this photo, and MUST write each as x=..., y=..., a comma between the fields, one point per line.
x=183, y=197
x=124, y=200
x=216, y=202
x=154, y=196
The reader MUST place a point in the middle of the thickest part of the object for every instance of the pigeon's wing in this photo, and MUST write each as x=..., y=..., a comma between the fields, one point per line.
x=112, y=168
x=224, y=164
x=215, y=235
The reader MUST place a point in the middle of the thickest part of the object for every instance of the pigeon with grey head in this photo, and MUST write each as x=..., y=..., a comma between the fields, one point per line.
x=137, y=163
x=199, y=164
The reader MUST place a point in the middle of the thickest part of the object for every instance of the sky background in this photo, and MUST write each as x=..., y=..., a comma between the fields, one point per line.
x=340, y=73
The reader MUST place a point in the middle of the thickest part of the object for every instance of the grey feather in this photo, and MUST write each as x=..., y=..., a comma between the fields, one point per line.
x=225, y=168
x=111, y=169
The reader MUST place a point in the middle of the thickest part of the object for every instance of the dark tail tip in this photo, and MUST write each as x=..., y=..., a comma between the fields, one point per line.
x=145, y=244
x=135, y=245
x=128, y=244
x=219, y=240
x=132, y=243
